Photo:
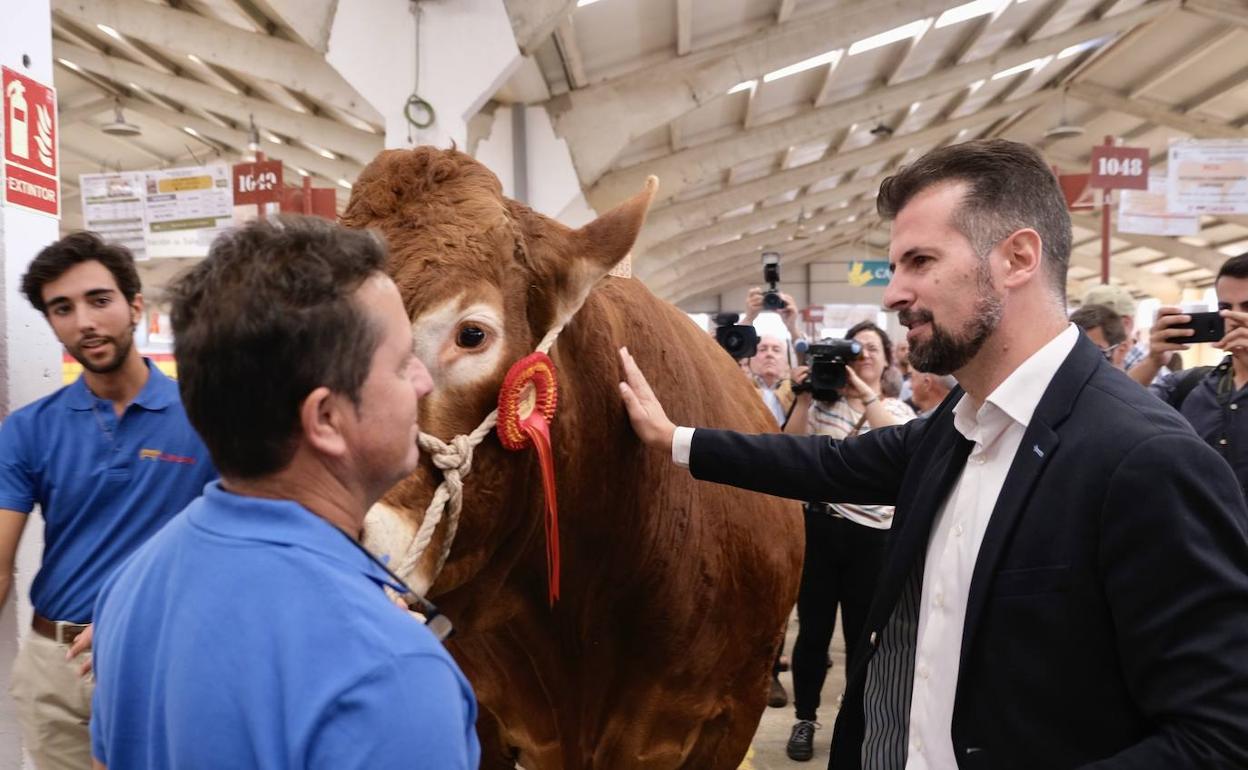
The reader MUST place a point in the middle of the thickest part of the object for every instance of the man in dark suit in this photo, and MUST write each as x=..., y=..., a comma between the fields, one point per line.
x=1067, y=577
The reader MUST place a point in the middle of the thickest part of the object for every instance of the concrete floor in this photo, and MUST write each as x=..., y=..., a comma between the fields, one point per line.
x=767, y=750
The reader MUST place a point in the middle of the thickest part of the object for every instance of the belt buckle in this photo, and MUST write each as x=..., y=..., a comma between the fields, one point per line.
x=62, y=626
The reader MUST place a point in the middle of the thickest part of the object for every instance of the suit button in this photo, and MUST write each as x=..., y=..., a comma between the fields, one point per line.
x=1222, y=441
x=875, y=639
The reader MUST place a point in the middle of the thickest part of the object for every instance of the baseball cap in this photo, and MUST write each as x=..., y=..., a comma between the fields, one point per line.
x=1116, y=298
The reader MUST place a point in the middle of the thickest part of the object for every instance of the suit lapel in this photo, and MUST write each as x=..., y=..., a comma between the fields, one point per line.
x=1040, y=441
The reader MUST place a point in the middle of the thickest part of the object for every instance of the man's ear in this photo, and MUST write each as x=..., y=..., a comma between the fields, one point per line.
x=320, y=421
x=1024, y=256
x=136, y=308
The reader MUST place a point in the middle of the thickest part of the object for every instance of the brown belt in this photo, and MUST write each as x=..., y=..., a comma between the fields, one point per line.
x=57, y=630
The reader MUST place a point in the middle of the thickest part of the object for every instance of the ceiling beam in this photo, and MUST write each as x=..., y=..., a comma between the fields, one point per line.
x=1232, y=11
x=1210, y=259
x=533, y=21
x=688, y=243
x=841, y=245
x=308, y=20
x=565, y=39
x=684, y=27
x=322, y=132
x=332, y=170
x=1154, y=112
x=689, y=167
x=696, y=212
x=600, y=121
x=749, y=249
x=286, y=63
x=785, y=11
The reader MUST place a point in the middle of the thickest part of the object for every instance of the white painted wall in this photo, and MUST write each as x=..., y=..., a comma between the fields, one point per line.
x=466, y=51
x=30, y=357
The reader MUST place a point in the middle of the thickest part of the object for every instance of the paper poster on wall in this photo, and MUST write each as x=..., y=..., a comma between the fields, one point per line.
x=186, y=209
x=113, y=205
x=1207, y=176
x=1144, y=212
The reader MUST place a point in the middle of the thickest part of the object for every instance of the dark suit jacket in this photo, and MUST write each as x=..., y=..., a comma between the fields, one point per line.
x=1107, y=624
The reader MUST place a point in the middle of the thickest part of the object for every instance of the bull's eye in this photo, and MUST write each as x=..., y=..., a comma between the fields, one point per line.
x=470, y=337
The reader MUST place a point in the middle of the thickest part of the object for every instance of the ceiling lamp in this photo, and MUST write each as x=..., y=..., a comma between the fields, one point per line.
x=1064, y=128
x=119, y=126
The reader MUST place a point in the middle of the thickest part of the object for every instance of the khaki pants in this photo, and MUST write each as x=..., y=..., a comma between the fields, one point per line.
x=53, y=704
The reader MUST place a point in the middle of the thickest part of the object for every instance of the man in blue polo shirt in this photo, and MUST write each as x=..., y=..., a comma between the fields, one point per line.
x=108, y=459
x=254, y=631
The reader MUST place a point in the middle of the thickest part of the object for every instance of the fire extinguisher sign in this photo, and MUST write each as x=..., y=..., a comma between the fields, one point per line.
x=29, y=126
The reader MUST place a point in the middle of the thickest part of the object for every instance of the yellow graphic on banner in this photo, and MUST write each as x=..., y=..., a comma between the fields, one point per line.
x=859, y=275
x=184, y=183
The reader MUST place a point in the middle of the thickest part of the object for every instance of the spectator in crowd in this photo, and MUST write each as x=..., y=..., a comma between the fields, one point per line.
x=844, y=542
x=108, y=460
x=1066, y=583
x=1120, y=301
x=901, y=355
x=1210, y=397
x=254, y=630
x=772, y=362
x=930, y=390
x=1105, y=328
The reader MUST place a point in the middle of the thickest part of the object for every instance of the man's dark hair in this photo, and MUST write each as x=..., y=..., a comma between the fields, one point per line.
x=1009, y=188
x=74, y=249
x=867, y=326
x=265, y=319
x=1101, y=317
x=1235, y=267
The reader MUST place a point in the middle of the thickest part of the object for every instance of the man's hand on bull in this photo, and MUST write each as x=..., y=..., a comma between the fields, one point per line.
x=644, y=410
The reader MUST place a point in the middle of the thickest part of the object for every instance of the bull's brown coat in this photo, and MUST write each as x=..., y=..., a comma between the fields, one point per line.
x=674, y=592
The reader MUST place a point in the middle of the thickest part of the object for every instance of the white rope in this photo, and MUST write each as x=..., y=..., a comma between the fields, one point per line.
x=454, y=459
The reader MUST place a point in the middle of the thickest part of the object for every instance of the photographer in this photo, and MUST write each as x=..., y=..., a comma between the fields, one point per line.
x=770, y=363
x=844, y=543
x=1210, y=398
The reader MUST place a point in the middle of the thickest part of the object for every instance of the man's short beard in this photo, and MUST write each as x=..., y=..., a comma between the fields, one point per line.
x=123, y=346
x=943, y=352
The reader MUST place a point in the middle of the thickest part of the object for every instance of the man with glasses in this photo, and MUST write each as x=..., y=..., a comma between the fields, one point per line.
x=1105, y=328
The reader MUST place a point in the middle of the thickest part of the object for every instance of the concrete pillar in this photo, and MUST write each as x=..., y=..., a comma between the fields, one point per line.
x=30, y=357
x=466, y=51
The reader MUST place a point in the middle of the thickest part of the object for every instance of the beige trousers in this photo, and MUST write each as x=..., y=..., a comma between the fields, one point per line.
x=53, y=704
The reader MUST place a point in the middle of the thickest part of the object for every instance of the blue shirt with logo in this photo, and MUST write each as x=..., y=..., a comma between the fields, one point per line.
x=251, y=633
x=104, y=484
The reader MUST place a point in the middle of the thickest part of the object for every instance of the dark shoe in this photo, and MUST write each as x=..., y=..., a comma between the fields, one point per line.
x=801, y=745
x=777, y=698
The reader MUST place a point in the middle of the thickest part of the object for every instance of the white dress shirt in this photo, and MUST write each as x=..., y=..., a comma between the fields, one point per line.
x=996, y=428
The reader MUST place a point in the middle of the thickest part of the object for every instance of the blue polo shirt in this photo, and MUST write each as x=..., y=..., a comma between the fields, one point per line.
x=103, y=484
x=251, y=633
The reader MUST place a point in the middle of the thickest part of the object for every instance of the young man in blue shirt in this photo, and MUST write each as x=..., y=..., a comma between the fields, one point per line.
x=254, y=631
x=108, y=459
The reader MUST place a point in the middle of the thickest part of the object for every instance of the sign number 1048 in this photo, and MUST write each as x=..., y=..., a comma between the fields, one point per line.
x=1120, y=166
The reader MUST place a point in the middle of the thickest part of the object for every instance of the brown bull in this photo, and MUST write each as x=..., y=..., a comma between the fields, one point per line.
x=674, y=592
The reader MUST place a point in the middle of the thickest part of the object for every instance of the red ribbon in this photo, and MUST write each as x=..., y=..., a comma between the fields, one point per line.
x=526, y=407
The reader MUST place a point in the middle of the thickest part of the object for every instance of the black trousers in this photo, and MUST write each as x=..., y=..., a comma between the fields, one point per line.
x=843, y=562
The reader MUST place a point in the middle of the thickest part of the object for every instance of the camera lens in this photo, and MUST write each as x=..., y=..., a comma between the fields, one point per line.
x=772, y=301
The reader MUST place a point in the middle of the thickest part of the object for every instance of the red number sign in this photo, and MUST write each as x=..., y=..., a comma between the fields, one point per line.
x=30, y=144
x=257, y=182
x=1119, y=168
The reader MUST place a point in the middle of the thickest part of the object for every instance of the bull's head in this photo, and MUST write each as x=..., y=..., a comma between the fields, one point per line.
x=483, y=278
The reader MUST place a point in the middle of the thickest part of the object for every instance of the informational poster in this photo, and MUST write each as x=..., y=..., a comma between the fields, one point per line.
x=1207, y=176
x=186, y=209
x=114, y=205
x=1144, y=212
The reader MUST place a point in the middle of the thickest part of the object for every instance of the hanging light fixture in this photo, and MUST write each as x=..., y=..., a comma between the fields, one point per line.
x=253, y=136
x=1064, y=128
x=119, y=126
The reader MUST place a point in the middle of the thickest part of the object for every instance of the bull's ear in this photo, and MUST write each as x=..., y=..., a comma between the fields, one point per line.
x=606, y=240
x=567, y=263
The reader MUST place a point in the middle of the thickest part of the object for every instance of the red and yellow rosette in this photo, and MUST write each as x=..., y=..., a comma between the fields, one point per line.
x=526, y=407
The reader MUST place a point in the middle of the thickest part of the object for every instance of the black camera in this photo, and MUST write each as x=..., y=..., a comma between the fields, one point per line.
x=828, y=359
x=771, y=274
x=739, y=340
